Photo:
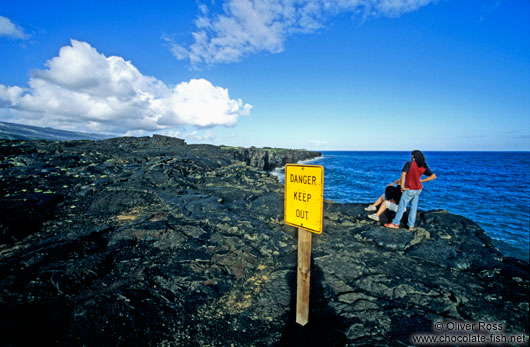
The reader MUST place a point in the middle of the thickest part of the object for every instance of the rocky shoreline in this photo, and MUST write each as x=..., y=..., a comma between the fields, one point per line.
x=153, y=242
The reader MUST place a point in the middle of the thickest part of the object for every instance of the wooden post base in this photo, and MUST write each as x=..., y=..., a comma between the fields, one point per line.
x=303, y=276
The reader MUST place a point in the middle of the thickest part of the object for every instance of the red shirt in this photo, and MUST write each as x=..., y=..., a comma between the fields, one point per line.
x=414, y=173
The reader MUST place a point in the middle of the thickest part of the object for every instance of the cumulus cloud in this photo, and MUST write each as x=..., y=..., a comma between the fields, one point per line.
x=9, y=29
x=249, y=26
x=82, y=89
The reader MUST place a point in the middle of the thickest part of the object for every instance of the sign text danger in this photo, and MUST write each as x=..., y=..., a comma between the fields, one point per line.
x=303, y=179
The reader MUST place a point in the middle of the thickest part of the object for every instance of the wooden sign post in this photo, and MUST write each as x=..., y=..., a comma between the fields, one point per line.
x=303, y=276
x=304, y=201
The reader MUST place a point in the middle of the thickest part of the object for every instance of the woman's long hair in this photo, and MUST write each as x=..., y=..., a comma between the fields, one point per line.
x=419, y=158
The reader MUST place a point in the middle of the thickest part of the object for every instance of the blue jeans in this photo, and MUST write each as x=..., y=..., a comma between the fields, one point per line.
x=412, y=196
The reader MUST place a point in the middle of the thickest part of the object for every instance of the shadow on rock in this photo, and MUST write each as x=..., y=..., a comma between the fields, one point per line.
x=33, y=324
x=324, y=325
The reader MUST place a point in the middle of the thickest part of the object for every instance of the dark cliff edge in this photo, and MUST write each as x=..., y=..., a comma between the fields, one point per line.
x=269, y=158
x=153, y=242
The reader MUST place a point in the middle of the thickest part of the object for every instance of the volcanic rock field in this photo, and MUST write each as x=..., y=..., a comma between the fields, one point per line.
x=153, y=242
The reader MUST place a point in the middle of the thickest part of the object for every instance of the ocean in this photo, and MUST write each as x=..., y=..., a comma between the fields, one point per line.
x=490, y=188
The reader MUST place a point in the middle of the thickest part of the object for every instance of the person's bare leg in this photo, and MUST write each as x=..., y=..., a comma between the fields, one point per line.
x=378, y=201
x=382, y=209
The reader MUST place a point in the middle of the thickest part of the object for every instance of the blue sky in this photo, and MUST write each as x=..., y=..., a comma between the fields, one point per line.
x=326, y=75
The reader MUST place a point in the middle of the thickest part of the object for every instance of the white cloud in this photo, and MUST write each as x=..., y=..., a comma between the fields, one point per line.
x=394, y=8
x=197, y=136
x=172, y=133
x=9, y=29
x=251, y=26
x=318, y=142
x=189, y=136
x=9, y=95
x=81, y=89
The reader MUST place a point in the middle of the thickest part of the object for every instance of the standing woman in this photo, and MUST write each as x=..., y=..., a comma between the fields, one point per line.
x=411, y=187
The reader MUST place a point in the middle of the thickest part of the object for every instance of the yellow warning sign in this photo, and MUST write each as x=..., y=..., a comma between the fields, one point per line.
x=304, y=196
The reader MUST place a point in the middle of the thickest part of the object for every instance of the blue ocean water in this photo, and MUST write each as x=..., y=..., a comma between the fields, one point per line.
x=490, y=188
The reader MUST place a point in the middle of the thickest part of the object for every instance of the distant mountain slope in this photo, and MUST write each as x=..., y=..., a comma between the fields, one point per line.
x=14, y=131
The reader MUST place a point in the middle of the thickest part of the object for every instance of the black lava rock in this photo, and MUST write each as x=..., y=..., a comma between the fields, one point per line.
x=152, y=242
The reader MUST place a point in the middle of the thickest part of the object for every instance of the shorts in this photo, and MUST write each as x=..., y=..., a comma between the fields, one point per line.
x=391, y=206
